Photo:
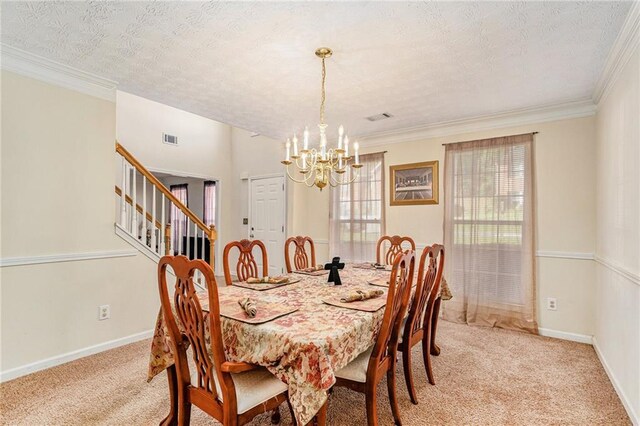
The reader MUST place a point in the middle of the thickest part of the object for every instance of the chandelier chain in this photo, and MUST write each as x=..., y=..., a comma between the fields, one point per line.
x=323, y=96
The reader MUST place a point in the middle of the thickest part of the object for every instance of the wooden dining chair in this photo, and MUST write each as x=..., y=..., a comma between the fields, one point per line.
x=246, y=266
x=395, y=248
x=301, y=259
x=420, y=325
x=365, y=372
x=231, y=392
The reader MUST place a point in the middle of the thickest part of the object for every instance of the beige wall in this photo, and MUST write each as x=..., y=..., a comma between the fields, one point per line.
x=59, y=145
x=617, y=329
x=565, y=178
x=253, y=157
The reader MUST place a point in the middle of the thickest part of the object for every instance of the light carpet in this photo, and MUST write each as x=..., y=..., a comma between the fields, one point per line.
x=484, y=376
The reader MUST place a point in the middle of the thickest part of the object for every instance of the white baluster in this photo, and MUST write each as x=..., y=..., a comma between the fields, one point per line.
x=134, y=203
x=188, y=248
x=179, y=231
x=144, y=209
x=202, y=247
x=195, y=241
x=162, y=228
x=153, y=220
x=123, y=198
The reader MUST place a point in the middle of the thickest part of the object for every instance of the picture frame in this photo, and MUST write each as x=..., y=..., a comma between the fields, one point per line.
x=414, y=183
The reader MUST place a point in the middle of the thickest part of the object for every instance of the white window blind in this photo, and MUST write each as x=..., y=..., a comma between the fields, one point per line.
x=489, y=207
x=356, y=218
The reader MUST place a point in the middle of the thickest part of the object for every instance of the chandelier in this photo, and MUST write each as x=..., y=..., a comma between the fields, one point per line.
x=322, y=166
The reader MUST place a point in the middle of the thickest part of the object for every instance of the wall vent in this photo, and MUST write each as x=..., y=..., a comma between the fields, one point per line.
x=379, y=117
x=170, y=139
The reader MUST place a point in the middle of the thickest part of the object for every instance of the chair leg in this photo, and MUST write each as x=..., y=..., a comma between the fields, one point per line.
x=391, y=388
x=184, y=409
x=426, y=354
x=408, y=374
x=435, y=350
x=372, y=402
x=275, y=416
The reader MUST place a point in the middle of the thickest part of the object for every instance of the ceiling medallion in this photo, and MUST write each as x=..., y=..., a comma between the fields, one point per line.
x=323, y=166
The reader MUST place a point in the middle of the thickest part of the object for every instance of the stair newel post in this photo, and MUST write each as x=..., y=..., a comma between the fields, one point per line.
x=123, y=199
x=213, y=234
x=167, y=239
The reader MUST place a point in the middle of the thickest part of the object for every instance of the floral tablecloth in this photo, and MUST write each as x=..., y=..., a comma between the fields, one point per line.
x=305, y=348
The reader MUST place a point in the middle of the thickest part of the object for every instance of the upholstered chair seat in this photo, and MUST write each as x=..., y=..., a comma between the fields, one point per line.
x=252, y=387
x=356, y=370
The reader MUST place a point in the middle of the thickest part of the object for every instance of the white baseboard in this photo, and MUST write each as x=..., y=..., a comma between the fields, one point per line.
x=623, y=397
x=564, y=335
x=71, y=356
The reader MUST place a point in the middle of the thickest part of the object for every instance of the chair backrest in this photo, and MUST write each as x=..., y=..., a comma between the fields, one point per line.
x=246, y=266
x=427, y=289
x=301, y=259
x=397, y=300
x=395, y=248
x=189, y=326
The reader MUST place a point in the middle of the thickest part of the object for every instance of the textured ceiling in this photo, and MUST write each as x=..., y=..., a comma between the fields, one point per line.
x=252, y=64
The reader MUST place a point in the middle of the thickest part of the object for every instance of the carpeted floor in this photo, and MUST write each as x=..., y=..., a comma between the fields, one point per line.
x=484, y=376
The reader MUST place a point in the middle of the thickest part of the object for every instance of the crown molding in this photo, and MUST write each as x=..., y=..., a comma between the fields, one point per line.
x=34, y=66
x=622, y=50
x=562, y=111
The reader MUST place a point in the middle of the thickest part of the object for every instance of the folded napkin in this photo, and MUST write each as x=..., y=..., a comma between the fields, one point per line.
x=268, y=280
x=250, y=306
x=445, y=293
x=313, y=268
x=361, y=295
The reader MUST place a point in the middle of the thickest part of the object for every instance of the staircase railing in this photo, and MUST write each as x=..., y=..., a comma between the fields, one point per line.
x=144, y=224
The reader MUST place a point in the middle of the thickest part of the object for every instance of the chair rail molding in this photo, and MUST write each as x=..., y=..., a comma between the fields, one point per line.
x=64, y=257
x=618, y=269
x=561, y=111
x=622, y=50
x=30, y=65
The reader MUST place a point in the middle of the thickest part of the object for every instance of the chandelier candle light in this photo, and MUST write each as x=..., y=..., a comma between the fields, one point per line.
x=323, y=166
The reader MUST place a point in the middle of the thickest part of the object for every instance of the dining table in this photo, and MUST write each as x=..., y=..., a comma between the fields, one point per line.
x=304, y=347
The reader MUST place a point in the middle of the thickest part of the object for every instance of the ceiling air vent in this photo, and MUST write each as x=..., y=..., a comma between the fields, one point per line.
x=170, y=139
x=379, y=117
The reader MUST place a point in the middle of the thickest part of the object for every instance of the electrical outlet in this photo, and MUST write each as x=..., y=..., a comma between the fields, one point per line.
x=104, y=312
x=552, y=304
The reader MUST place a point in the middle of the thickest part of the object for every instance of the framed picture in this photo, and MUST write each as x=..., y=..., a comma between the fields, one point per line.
x=415, y=183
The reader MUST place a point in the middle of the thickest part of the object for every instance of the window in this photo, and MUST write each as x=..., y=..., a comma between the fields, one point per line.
x=357, y=212
x=178, y=218
x=489, y=231
x=209, y=203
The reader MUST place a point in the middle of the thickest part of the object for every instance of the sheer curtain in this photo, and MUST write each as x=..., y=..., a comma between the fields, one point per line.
x=178, y=219
x=209, y=203
x=489, y=232
x=356, y=215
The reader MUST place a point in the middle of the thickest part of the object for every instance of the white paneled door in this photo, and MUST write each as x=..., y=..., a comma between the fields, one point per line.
x=267, y=219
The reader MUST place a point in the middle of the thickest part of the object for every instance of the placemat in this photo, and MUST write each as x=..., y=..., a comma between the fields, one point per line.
x=369, y=305
x=267, y=311
x=264, y=286
x=370, y=266
x=381, y=282
x=312, y=273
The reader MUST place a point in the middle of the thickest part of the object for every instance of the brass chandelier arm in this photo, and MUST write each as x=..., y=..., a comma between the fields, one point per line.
x=335, y=182
x=305, y=180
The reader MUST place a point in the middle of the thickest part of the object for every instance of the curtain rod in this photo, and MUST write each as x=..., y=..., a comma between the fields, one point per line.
x=496, y=137
x=377, y=152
